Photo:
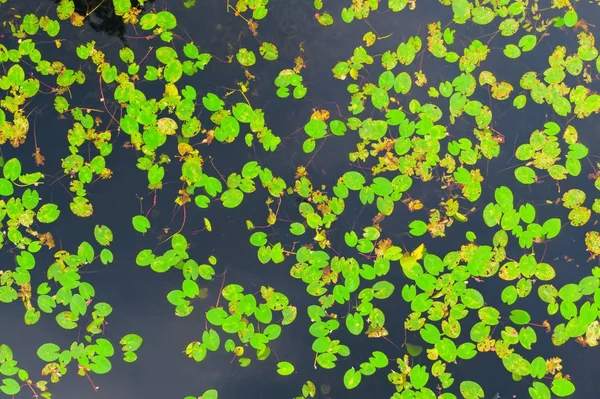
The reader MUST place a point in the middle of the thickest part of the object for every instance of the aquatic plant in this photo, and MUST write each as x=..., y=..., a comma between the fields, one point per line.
x=420, y=141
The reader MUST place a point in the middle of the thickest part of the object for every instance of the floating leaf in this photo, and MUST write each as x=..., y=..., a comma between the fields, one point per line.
x=285, y=368
x=471, y=390
x=141, y=223
x=417, y=228
x=352, y=378
x=562, y=387
x=48, y=352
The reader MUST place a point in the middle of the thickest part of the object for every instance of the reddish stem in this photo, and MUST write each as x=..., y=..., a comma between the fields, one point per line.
x=221, y=290
x=153, y=204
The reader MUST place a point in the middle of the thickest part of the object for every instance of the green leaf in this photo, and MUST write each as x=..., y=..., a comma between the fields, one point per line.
x=246, y=57
x=103, y=235
x=144, y=257
x=519, y=316
x=268, y=51
x=472, y=298
x=383, y=289
x=258, y=238
x=520, y=101
x=285, y=368
x=527, y=42
x=471, y=390
x=10, y=386
x=141, y=223
x=417, y=228
x=131, y=342
x=297, y=229
x=210, y=394
x=512, y=51
x=216, y=316
x=48, y=213
x=212, y=102
x=48, y=352
x=355, y=323
x=12, y=169
x=525, y=175
x=353, y=180
x=539, y=390
x=352, y=378
x=316, y=128
x=562, y=387
x=430, y=334
x=570, y=18
x=121, y=6
x=551, y=227
x=299, y=91
x=419, y=376
x=232, y=198
x=6, y=188
x=100, y=365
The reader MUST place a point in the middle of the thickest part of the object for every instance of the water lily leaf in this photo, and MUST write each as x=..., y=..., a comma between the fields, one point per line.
x=551, y=227
x=519, y=316
x=100, y=365
x=216, y=316
x=212, y=102
x=527, y=42
x=538, y=367
x=103, y=234
x=258, y=239
x=562, y=387
x=471, y=390
x=353, y=180
x=430, y=334
x=325, y=19
x=246, y=57
x=352, y=378
x=268, y=51
x=48, y=352
x=210, y=394
x=66, y=320
x=517, y=364
x=402, y=83
x=520, y=101
x=472, y=298
x=525, y=175
x=144, y=257
x=12, y=169
x=561, y=106
x=482, y=15
x=417, y=228
x=386, y=80
x=232, y=198
x=316, y=128
x=446, y=349
x=379, y=359
x=355, y=323
x=285, y=368
x=141, y=223
x=419, y=376
x=10, y=386
x=570, y=18
x=299, y=91
x=48, y=213
x=297, y=229
x=539, y=391
x=512, y=51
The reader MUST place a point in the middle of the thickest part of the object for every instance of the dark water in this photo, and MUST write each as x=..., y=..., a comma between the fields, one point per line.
x=138, y=295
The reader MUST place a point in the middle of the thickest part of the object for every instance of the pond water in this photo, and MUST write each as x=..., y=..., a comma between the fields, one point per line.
x=138, y=295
